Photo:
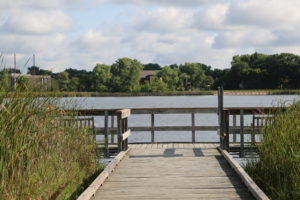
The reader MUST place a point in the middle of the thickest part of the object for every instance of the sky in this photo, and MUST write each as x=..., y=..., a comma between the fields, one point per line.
x=81, y=33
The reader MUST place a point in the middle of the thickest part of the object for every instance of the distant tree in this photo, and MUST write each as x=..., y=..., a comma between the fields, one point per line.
x=195, y=73
x=63, y=81
x=86, y=78
x=34, y=70
x=152, y=66
x=170, y=76
x=126, y=75
x=155, y=85
x=102, y=77
x=11, y=70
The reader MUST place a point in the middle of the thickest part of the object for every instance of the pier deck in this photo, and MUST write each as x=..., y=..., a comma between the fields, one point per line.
x=173, y=171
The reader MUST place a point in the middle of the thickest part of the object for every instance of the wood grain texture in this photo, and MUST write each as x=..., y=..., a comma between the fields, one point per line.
x=173, y=171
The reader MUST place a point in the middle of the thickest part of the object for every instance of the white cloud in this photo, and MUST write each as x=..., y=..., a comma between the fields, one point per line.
x=264, y=13
x=162, y=31
x=188, y=3
x=211, y=18
x=163, y=20
x=36, y=22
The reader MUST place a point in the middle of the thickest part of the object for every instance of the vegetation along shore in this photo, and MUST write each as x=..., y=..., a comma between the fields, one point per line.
x=248, y=72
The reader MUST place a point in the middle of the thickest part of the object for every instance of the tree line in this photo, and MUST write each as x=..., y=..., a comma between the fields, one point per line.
x=255, y=71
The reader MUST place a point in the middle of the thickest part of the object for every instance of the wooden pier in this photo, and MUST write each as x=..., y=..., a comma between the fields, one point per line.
x=173, y=171
x=177, y=170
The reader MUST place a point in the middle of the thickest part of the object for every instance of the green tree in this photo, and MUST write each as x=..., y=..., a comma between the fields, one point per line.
x=63, y=81
x=155, y=85
x=126, y=75
x=102, y=77
x=195, y=73
x=170, y=76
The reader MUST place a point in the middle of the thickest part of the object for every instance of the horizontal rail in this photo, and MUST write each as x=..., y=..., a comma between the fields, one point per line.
x=232, y=110
x=126, y=134
x=176, y=128
x=173, y=110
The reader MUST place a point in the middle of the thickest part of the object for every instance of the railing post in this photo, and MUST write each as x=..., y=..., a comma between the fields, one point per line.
x=106, y=151
x=119, y=122
x=226, y=122
x=152, y=127
x=221, y=116
x=242, y=153
x=234, y=125
x=126, y=128
x=112, y=127
x=193, y=127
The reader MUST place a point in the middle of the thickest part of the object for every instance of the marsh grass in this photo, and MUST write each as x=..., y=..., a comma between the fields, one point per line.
x=278, y=170
x=38, y=159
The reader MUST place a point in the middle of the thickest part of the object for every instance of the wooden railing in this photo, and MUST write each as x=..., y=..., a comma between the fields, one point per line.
x=260, y=116
x=192, y=127
x=121, y=130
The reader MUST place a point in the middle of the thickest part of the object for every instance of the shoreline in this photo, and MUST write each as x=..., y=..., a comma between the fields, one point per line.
x=176, y=93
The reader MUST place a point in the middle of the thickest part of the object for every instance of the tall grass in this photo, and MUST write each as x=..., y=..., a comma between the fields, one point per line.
x=278, y=171
x=38, y=159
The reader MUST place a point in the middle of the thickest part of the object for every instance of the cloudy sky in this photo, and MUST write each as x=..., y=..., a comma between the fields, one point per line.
x=79, y=34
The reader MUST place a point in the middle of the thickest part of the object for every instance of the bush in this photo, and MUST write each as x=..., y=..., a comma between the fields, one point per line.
x=278, y=171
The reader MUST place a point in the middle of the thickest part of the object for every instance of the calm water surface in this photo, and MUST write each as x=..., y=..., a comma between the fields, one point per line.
x=178, y=119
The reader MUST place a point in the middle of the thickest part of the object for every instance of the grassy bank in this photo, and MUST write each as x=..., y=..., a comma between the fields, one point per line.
x=38, y=158
x=174, y=93
x=278, y=171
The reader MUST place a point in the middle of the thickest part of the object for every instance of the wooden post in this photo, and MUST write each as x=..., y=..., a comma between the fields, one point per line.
x=221, y=116
x=234, y=125
x=119, y=121
x=152, y=127
x=253, y=131
x=106, y=151
x=126, y=128
x=193, y=128
x=226, y=122
x=112, y=127
x=242, y=153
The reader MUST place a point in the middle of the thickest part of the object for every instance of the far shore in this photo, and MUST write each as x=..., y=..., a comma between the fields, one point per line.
x=175, y=93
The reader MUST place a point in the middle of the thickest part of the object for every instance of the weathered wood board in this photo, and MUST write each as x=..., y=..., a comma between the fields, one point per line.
x=173, y=171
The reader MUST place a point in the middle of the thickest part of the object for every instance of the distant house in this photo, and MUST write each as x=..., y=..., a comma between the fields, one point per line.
x=37, y=82
x=147, y=74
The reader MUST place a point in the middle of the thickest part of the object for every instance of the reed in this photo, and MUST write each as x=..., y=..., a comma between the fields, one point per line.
x=38, y=158
x=278, y=169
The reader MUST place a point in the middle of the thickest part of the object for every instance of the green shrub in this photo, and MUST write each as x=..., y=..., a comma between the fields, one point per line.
x=278, y=171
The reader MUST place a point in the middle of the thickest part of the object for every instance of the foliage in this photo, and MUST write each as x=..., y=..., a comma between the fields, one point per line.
x=195, y=74
x=38, y=158
x=152, y=66
x=255, y=71
x=126, y=75
x=102, y=77
x=170, y=76
x=278, y=170
x=155, y=85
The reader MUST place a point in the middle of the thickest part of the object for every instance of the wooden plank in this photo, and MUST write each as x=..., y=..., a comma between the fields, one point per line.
x=175, y=128
x=251, y=185
x=91, y=190
x=124, y=113
x=126, y=134
x=148, y=174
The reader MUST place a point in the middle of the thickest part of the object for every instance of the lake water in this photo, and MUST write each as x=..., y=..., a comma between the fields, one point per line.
x=178, y=119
